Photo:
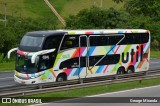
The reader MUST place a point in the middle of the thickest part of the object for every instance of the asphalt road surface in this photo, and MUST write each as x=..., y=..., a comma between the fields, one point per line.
x=7, y=80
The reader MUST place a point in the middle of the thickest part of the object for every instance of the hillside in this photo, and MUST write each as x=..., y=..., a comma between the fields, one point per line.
x=38, y=8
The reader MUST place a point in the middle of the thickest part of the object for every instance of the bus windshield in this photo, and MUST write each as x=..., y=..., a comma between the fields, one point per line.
x=24, y=65
x=32, y=41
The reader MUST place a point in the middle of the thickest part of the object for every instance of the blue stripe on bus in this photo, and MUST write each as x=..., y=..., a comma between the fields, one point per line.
x=99, y=70
x=120, y=32
x=32, y=75
x=91, y=49
x=78, y=71
x=111, y=50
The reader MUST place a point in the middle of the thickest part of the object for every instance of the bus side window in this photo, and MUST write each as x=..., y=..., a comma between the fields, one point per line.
x=135, y=38
x=83, y=42
x=52, y=42
x=98, y=40
x=114, y=39
x=70, y=41
x=70, y=63
x=104, y=40
x=144, y=38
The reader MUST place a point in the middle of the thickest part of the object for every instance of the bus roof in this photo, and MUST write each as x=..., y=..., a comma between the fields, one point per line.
x=44, y=33
x=107, y=31
x=86, y=31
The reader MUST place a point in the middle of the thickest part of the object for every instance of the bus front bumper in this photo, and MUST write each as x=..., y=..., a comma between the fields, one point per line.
x=27, y=81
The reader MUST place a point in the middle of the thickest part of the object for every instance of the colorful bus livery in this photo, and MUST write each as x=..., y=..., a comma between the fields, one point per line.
x=49, y=56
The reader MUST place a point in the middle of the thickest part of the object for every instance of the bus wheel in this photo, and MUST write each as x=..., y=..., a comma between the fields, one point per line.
x=120, y=71
x=61, y=78
x=130, y=70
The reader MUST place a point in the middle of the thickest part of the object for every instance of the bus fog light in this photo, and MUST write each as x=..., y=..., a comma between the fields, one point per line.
x=33, y=82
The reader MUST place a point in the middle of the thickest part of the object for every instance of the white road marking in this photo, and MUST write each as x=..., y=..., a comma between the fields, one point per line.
x=10, y=71
x=155, y=62
x=6, y=78
x=6, y=86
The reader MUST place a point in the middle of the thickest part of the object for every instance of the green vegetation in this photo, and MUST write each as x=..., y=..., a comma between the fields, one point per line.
x=75, y=6
x=155, y=54
x=7, y=66
x=34, y=9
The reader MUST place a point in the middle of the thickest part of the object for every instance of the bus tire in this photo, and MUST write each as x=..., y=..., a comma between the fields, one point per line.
x=61, y=77
x=130, y=69
x=120, y=71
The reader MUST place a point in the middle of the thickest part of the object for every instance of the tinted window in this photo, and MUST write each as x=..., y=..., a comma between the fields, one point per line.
x=83, y=41
x=52, y=42
x=130, y=38
x=70, y=42
x=135, y=38
x=70, y=63
x=144, y=38
x=107, y=60
x=74, y=62
x=32, y=41
x=105, y=40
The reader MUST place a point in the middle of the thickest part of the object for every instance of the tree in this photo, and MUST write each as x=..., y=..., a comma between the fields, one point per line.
x=142, y=7
x=118, y=1
x=97, y=18
x=145, y=7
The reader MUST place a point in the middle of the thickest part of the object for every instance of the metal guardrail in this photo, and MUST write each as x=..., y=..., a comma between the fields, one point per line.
x=73, y=84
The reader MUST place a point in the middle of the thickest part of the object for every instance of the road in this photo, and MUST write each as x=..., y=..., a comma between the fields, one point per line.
x=7, y=80
x=114, y=98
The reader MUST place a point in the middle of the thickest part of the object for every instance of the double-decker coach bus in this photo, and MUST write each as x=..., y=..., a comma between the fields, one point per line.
x=49, y=56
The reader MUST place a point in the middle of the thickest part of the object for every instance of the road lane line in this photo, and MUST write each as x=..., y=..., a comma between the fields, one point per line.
x=6, y=78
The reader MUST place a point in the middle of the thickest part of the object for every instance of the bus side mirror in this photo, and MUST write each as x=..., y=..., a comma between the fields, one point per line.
x=10, y=51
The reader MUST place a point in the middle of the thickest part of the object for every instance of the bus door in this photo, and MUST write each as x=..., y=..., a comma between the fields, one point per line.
x=83, y=55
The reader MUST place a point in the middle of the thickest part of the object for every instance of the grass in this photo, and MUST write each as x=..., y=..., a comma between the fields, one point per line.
x=26, y=8
x=34, y=9
x=75, y=6
x=7, y=66
x=155, y=54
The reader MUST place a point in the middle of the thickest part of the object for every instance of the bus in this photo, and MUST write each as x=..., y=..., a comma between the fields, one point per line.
x=60, y=55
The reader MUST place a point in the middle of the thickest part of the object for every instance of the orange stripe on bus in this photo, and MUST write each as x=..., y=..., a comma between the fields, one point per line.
x=52, y=73
x=75, y=53
x=91, y=71
x=140, y=65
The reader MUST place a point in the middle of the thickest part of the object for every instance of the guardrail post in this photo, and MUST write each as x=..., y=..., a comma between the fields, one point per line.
x=81, y=81
x=140, y=81
x=116, y=76
x=146, y=73
x=40, y=86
